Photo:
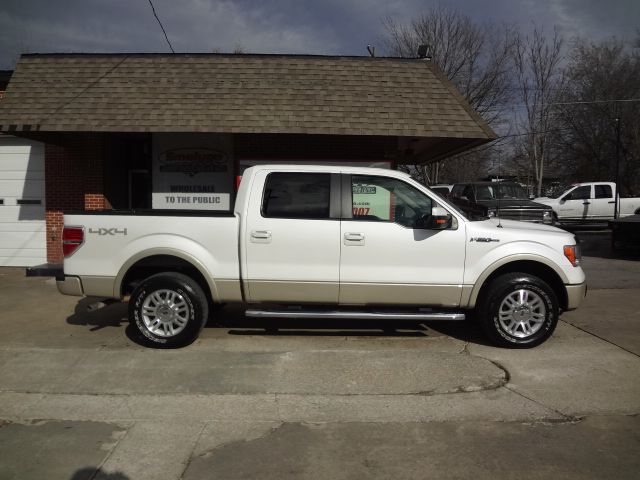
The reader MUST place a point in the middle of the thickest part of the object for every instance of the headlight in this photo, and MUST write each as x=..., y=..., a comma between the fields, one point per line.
x=572, y=252
x=491, y=213
x=547, y=217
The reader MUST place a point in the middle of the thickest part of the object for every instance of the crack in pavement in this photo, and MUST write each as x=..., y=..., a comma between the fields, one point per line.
x=600, y=338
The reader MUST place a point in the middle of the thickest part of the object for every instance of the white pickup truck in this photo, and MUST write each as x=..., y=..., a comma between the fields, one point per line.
x=332, y=242
x=590, y=202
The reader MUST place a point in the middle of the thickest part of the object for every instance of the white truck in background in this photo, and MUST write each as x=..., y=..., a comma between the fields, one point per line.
x=590, y=202
x=325, y=242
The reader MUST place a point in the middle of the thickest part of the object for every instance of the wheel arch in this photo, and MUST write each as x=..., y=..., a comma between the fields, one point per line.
x=147, y=263
x=533, y=266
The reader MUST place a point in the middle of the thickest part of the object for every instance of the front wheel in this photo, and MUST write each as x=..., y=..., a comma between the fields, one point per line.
x=518, y=310
x=168, y=309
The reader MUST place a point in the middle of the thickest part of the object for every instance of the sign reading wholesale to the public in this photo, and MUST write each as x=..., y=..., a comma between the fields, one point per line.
x=190, y=178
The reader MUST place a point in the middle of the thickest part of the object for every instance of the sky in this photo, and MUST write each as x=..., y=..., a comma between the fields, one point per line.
x=326, y=27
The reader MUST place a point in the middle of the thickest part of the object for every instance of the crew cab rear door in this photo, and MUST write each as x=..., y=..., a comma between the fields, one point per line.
x=292, y=237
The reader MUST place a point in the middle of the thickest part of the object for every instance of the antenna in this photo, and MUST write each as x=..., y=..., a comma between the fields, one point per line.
x=499, y=189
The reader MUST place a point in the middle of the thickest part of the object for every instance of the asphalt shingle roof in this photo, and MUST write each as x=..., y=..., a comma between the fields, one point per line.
x=235, y=93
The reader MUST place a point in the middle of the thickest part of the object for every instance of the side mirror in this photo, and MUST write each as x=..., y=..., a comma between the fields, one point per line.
x=438, y=219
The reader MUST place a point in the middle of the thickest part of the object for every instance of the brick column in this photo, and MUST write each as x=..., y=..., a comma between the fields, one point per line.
x=74, y=180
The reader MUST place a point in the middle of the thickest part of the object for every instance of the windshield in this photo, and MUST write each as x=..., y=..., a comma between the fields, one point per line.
x=558, y=191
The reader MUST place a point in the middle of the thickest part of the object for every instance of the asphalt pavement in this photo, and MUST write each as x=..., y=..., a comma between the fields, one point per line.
x=81, y=399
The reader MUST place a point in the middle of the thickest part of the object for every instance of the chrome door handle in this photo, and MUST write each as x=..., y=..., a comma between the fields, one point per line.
x=612, y=201
x=261, y=236
x=352, y=238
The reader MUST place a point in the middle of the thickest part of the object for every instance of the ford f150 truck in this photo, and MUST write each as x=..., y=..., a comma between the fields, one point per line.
x=590, y=202
x=333, y=242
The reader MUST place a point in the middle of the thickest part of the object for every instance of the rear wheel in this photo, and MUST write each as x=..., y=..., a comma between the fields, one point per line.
x=169, y=310
x=519, y=310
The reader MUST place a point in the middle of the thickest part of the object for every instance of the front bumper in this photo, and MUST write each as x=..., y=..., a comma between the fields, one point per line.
x=575, y=294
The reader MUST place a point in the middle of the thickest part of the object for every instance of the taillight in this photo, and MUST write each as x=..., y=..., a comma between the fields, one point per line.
x=72, y=238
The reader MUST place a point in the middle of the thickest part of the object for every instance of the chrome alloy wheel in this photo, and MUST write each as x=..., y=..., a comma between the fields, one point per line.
x=522, y=313
x=165, y=313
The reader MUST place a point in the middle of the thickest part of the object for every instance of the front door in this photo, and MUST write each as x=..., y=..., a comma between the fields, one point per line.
x=292, y=239
x=576, y=205
x=385, y=260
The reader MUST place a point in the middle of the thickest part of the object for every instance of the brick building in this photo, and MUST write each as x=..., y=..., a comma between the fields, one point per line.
x=139, y=131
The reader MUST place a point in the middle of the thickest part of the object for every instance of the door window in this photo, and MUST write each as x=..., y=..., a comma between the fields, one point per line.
x=603, y=191
x=383, y=199
x=297, y=195
x=580, y=193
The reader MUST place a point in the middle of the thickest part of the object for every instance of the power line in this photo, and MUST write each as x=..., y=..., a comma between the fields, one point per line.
x=160, y=23
x=579, y=102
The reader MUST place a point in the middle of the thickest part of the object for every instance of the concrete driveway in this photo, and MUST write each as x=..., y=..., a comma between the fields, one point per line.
x=80, y=399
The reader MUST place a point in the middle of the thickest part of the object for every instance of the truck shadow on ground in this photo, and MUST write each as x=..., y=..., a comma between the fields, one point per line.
x=98, y=313
x=233, y=320
x=92, y=473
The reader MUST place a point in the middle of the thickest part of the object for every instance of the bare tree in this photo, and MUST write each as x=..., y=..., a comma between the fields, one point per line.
x=538, y=74
x=602, y=83
x=475, y=58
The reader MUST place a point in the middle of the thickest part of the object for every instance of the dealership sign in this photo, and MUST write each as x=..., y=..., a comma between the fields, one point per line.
x=191, y=172
x=193, y=201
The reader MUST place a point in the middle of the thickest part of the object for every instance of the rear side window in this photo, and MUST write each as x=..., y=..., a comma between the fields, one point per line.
x=603, y=191
x=297, y=195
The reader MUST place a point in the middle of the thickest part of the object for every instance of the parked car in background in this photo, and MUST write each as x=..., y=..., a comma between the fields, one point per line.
x=506, y=200
x=590, y=202
x=443, y=190
x=625, y=233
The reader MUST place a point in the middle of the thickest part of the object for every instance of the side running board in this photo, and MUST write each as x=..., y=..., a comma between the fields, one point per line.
x=355, y=315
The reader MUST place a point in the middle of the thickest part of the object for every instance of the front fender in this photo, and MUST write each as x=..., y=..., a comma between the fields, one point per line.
x=477, y=272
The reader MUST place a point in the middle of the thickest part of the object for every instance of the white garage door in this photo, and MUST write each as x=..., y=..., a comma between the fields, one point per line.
x=22, y=225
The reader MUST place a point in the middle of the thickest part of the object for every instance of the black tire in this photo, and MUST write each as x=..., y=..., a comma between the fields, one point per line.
x=176, y=323
x=495, y=300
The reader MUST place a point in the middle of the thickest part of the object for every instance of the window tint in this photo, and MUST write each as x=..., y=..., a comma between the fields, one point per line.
x=297, y=195
x=387, y=200
x=580, y=193
x=603, y=191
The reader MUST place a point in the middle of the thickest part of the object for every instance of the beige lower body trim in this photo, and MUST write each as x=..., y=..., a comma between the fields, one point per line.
x=400, y=294
x=465, y=298
x=70, y=286
x=98, y=286
x=229, y=291
x=292, y=291
x=575, y=294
